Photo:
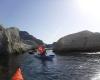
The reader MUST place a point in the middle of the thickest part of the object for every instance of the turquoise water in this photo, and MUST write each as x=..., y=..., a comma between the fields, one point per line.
x=70, y=67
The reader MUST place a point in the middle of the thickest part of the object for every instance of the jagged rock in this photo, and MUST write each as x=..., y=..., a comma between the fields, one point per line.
x=81, y=41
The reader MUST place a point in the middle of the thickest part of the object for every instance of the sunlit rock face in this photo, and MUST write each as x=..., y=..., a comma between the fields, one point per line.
x=12, y=40
x=81, y=41
x=3, y=41
x=14, y=43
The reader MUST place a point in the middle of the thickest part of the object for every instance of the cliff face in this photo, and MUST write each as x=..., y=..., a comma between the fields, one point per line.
x=15, y=45
x=81, y=41
x=12, y=40
x=29, y=39
x=3, y=41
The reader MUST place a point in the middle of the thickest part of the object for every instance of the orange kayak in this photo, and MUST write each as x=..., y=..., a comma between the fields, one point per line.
x=18, y=75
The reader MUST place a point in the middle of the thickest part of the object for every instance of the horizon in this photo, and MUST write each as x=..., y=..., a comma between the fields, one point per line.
x=49, y=20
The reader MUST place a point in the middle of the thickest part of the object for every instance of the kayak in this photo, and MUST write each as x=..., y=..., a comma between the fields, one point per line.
x=18, y=75
x=46, y=57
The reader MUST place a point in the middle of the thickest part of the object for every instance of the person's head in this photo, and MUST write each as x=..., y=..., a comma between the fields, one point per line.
x=41, y=48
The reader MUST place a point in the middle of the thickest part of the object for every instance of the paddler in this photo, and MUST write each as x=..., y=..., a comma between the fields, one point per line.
x=41, y=50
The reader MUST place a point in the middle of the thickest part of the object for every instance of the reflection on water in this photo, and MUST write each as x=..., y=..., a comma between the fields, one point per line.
x=70, y=67
x=4, y=67
x=96, y=76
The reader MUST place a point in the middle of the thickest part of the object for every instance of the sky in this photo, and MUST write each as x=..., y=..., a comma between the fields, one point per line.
x=50, y=20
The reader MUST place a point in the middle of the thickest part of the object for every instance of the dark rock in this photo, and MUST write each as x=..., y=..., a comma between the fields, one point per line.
x=29, y=39
x=31, y=52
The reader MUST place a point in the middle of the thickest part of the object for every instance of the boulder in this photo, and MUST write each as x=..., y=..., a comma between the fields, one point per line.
x=81, y=41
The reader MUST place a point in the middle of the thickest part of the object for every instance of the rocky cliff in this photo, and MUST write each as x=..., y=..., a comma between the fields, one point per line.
x=12, y=40
x=29, y=39
x=3, y=41
x=81, y=41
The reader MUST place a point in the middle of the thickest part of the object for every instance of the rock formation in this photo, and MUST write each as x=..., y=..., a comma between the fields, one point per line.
x=3, y=41
x=12, y=40
x=29, y=39
x=81, y=41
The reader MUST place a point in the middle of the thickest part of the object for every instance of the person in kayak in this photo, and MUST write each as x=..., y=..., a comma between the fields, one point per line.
x=41, y=50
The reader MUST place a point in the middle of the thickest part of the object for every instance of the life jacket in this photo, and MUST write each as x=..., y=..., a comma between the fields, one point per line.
x=17, y=75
